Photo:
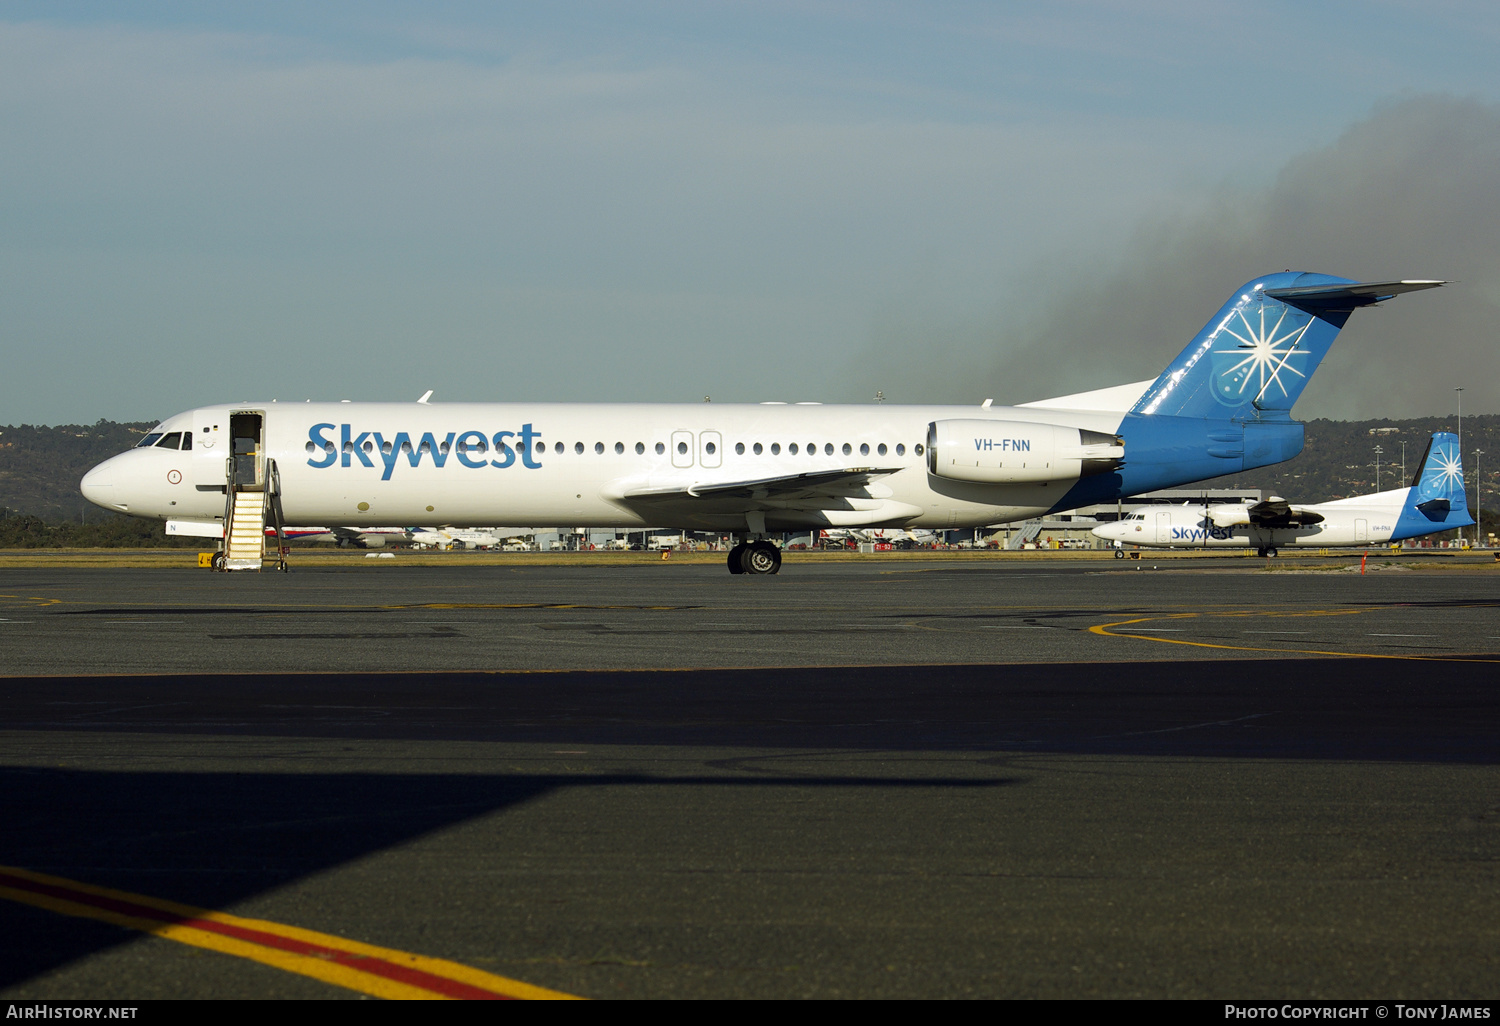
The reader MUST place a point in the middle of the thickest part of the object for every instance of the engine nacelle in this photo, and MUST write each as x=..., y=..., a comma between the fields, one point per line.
x=1237, y=515
x=1015, y=452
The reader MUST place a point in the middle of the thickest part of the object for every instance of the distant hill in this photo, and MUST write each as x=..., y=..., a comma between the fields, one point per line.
x=40, y=467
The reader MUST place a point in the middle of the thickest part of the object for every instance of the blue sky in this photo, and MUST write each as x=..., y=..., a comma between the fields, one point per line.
x=202, y=203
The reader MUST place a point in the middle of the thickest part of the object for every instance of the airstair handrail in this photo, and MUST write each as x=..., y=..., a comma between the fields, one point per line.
x=228, y=504
x=273, y=499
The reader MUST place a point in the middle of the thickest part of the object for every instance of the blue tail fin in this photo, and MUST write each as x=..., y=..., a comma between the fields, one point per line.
x=1260, y=350
x=1436, y=500
x=1437, y=491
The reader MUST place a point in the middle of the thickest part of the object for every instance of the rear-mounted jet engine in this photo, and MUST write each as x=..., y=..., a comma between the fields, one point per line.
x=1014, y=452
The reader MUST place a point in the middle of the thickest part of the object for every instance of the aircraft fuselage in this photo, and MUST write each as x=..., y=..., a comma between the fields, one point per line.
x=359, y=464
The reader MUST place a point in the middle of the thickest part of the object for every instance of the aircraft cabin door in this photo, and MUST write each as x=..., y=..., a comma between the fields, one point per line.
x=1361, y=530
x=246, y=430
x=210, y=448
x=1164, y=527
x=709, y=449
x=682, y=448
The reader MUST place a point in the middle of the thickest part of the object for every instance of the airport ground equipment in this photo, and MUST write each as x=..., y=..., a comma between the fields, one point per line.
x=252, y=497
x=1027, y=533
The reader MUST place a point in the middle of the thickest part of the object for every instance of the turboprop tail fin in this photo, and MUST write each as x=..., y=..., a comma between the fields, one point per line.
x=1260, y=350
x=1437, y=492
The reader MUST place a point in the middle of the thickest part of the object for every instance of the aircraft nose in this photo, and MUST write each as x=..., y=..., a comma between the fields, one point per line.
x=101, y=485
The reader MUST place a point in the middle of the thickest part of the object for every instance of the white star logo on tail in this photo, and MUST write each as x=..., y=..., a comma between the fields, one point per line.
x=1450, y=473
x=1265, y=352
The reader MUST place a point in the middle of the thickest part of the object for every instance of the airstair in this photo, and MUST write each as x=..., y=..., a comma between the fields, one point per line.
x=252, y=500
x=1028, y=532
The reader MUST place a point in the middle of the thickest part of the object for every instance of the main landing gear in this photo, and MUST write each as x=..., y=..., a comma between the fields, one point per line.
x=757, y=557
x=1269, y=551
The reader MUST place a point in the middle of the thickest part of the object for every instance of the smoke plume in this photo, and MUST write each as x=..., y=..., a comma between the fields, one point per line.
x=1411, y=192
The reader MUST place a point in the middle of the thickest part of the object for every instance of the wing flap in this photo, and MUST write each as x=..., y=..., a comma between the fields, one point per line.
x=844, y=483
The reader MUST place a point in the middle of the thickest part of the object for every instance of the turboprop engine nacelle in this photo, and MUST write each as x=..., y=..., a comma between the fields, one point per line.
x=1230, y=516
x=1014, y=452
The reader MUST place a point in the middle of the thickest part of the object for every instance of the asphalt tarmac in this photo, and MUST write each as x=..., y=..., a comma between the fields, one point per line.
x=879, y=779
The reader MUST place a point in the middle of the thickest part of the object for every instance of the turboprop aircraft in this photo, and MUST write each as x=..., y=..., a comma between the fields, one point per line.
x=1222, y=405
x=1434, y=501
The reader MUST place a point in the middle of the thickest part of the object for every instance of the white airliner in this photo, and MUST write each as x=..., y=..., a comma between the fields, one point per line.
x=464, y=537
x=1223, y=405
x=1435, y=501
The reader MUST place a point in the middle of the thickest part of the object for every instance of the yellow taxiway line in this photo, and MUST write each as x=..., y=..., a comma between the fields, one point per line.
x=380, y=972
x=1104, y=630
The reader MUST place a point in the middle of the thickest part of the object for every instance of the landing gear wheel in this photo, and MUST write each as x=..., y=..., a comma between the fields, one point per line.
x=736, y=559
x=761, y=558
x=1271, y=552
x=218, y=561
x=1119, y=553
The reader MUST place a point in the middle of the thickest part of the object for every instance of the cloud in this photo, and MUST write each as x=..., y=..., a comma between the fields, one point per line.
x=1413, y=191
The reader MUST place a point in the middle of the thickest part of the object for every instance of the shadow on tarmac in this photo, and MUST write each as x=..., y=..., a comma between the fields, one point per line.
x=215, y=839
x=1427, y=710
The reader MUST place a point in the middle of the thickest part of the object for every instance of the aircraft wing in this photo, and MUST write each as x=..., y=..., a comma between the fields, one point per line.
x=790, y=490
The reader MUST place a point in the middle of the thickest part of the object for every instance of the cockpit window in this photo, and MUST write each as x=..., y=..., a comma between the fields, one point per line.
x=187, y=440
x=172, y=440
x=148, y=441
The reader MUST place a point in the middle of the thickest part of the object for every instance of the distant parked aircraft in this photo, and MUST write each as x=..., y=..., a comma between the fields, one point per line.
x=463, y=537
x=1435, y=501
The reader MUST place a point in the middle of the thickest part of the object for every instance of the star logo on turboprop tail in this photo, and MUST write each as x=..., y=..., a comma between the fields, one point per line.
x=1447, y=474
x=1259, y=358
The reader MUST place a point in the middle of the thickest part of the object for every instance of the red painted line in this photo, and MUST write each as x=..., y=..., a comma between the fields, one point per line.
x=363, y=963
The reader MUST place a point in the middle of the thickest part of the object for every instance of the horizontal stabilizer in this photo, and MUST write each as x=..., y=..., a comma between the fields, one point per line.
x=1347, y=297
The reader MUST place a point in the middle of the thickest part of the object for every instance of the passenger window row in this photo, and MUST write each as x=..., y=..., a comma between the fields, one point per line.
x=756, y=448
x=481, y=445
x=812, y=449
